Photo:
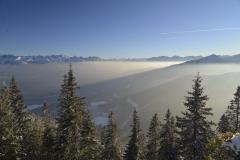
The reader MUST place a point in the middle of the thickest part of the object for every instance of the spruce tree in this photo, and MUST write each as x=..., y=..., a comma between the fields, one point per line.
x=90, y=146
x=76, y=137
x=135, y=148
x=19, y=108
x=9, y=140
x=21, y=115
x=237, y=107
x=195, y=128
x=110, y=140
x=223, y=125
x=153, y=139
x=230, y=115
x=69, y=119
x=48, y=144
x=233, y=111
x=34, y=139
x=168, y=149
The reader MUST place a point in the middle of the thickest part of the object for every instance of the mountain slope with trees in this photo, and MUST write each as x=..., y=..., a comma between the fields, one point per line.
x=73, y=135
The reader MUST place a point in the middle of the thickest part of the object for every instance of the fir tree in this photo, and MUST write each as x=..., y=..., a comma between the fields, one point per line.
x=230, y=115
x=223, y=125
x=237, y=107
x=233, y=111
x=135, y=149
x=76, y=132
x=70, y=119
x=168, y=149
x=90, y=146
x=9, y=141
x=21, y=115
x=47, y=148
x=35, y=137
x=153, y=139
x=19, y=108
x=195, y=128
x=111, y=149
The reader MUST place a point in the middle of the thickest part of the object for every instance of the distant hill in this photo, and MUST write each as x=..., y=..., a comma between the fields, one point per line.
x=12, y=59
x=217, y=59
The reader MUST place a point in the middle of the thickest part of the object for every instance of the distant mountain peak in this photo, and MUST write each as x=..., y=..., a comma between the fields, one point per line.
x=12, y=59
x=213, y=58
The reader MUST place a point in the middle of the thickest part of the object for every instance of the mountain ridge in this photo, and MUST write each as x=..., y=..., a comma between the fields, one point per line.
x=13, y=59
x=213, y=58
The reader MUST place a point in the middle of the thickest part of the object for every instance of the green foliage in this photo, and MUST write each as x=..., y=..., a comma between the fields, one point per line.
x=19, y=108
x=110, y=140
x=153, y=139
x=195, y=128
x=224, y=124
x=168, y=149
x=9, y=140
x=90, y=146
x=32, y=147
x=21, y=118
x=233, y=112
x=135, y=146
x=76, y=137
x=26, y=136
x=69, y=119
x=49, y=135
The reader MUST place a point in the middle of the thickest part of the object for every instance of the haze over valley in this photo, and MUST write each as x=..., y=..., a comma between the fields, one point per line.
x=122, y=86
x=119, y=80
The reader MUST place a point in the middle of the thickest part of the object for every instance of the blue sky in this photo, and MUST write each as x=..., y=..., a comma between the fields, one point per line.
x=119, y=28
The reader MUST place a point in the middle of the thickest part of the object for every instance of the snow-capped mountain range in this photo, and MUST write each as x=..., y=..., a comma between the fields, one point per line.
x=13, y=59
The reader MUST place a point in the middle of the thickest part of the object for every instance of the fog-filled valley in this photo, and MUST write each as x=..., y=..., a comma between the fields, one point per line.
x=119, y=80
x=122, y=86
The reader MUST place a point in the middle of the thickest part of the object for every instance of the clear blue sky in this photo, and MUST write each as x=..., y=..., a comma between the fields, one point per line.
x=119, y=28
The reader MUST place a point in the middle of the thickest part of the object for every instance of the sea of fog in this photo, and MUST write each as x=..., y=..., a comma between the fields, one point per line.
x=121, y=87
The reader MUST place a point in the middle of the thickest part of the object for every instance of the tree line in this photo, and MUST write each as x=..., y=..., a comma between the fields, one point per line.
x=72, y=135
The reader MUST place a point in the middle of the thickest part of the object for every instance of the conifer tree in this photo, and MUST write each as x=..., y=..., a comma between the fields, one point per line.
x=135, y=148
x=76, y=132
x=111, y=149
x=195, y=128
x=230, y=115
x=9, y=141
x=102, y=133
x=69, y=119
x=48, y=144
x=153, y=139
x=21, y=116
x=168, y=149
x=223, y=125
x=34, y=140
x=90, y=146
x=233, y=111
x=19, y=108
